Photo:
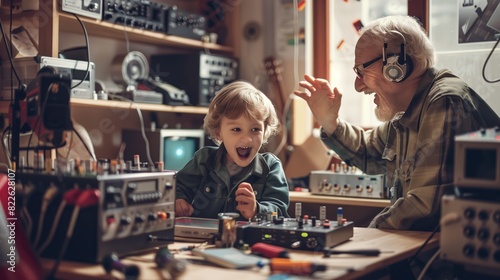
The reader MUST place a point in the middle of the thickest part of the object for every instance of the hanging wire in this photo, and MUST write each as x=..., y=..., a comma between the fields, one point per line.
x=488, y=58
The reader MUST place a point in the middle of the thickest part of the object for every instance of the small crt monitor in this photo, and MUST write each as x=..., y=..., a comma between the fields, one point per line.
x=175, y=147
x=477, y=160
x=179, y=149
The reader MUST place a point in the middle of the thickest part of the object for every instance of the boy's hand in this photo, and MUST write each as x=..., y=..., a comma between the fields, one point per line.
x=183, y=208
x=245, y=197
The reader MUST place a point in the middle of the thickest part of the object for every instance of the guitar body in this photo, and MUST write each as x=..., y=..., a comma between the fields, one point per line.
x=277, y=95
x=298, y=160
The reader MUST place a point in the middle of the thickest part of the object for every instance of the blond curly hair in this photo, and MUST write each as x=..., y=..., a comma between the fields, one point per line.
x=241, y=98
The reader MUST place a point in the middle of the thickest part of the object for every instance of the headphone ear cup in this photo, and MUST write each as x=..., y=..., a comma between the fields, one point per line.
x=394, y=71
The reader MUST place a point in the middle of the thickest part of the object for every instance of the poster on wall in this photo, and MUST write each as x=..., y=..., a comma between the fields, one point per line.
x=478, y=20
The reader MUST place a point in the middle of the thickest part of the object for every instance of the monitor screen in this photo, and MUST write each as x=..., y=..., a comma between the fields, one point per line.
x=178, y=150
x=480, y=163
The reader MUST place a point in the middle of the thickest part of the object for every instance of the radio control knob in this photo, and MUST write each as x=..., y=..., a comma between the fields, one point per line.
x=496, y=256
x=469, y=231
x=125, y=221
x=140, y=218
x=93, y=7
x=483, y=253
x=312, y=243
x=496, y=217
x=295, y=245
x=483, y=215
x=483, y=234
x=468, y=250
x=110, y=220
x=152, y=217
x=496, y=239
x=469, y=213
x=161, y=215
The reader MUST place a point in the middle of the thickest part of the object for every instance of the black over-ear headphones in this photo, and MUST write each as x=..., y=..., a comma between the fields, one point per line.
x=397, y=67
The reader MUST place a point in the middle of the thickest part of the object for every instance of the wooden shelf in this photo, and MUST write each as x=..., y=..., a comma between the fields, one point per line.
x=143, y=106
x=116, y=31
x=305, y=197
x=4, y=106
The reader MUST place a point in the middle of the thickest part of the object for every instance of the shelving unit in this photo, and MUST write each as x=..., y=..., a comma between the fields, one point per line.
x=67, y=22
x=104, y=119
x=62, y=21
x=52, y=22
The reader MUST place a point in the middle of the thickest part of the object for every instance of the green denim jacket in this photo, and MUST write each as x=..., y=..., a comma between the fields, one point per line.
x=205, y=183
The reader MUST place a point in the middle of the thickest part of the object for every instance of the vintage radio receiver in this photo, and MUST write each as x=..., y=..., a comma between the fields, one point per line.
x=136, y=13
x=477, y=160
x=470, y=232
x=324, y=182
x=182, y=70
x=184, y=24
x=88, y=8
x=81, y=72
x=288, y=233
x=128, y=209
x=83, y=77
x=156, y=17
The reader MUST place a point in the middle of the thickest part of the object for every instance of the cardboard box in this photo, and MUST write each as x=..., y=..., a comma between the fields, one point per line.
x=23, y=44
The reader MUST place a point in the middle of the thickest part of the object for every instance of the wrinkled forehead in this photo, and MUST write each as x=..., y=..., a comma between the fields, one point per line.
x=366, y=50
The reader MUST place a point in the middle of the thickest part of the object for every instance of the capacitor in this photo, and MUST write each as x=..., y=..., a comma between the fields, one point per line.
x=313, y=221
x=160, y=165
x=298, y=210
x=137, y=161
x=340, y=216
x=322, y=213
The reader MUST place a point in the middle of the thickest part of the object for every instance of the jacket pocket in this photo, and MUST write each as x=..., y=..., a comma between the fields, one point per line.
x=209, y=193
x=391, y=173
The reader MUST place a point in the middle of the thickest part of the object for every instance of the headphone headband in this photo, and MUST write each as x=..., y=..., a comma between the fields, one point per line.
x=396, y=68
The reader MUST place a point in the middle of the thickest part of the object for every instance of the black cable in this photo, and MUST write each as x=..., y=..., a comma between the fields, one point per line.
x=9, y=54
x=88, y=50
x=424, y=244
x=487, y=59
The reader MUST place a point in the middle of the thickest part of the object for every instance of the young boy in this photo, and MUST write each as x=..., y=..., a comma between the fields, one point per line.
x=234, y=176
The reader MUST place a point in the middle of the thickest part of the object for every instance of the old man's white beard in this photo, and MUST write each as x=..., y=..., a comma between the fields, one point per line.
x=384, y=113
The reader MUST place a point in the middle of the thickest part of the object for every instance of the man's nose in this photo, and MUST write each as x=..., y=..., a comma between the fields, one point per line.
x=359, y=84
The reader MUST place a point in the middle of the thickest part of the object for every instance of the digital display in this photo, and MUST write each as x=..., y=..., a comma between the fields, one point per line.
x=146, y=186
x=177, y=151
x=76, y=74
x=80, y=74
x=481, y=164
